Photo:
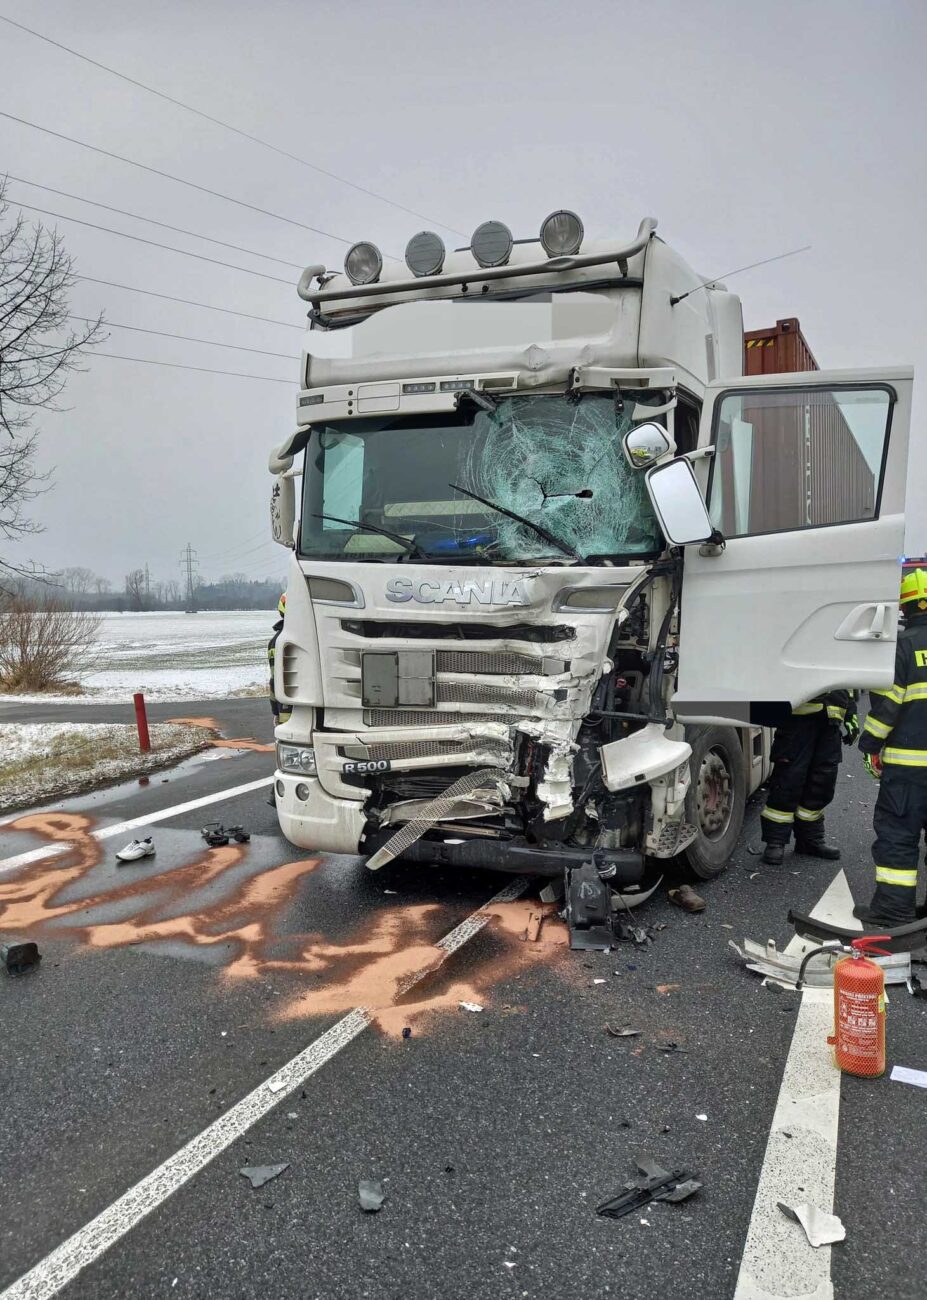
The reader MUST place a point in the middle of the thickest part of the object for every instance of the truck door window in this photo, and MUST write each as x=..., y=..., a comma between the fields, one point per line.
x=799, y=458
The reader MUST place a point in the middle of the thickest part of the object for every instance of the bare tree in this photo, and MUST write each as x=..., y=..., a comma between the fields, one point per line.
x=44, y=643
x=77, y=581
x=135, y=588
x=38, y=350
x=101, y=585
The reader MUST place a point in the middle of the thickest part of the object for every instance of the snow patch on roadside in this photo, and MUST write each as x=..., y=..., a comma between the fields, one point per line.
x=52, y=760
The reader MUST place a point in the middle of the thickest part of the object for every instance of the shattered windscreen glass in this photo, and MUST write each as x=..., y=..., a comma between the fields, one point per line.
x=557, y=463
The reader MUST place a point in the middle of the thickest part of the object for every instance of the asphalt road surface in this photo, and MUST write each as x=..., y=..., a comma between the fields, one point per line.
x=210, y=1010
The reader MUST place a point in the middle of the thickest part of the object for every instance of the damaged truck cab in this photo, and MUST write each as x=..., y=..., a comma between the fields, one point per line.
x=557, y=562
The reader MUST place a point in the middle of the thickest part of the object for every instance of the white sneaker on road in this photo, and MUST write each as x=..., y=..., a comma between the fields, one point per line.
x=136, y=849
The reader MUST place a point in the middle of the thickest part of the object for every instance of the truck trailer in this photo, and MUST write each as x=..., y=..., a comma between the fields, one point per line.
x=557, y=562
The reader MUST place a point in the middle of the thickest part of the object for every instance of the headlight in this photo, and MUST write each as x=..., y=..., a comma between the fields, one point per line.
x=491, y=244
x=425, y=253
x=561, y=233
x=363, y=263
x=298, y=759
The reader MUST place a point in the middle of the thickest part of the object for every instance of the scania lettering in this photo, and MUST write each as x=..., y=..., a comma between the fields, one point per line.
x=557, y=564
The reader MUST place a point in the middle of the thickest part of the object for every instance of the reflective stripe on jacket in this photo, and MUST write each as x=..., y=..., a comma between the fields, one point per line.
x=897, y=723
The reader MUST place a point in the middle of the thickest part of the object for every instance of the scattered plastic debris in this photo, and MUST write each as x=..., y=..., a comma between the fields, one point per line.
x=667, y=988
x=215, y=834
x=469, y=1006
x=703, y=1118
x=686, y=898
x=533, y=928
x=390, y=891
x=627, y=932
x=276, y=1085
x=371, y=1196
x=821, y=1229
x=509, y=1263
x=725, y=926
x=653, y=1183
x=239, y=834
x=19, y=958
x=670, y=1048
x=598, y=981
x=755, y=853
x=292, y=1114
x=622, y=1033
x=136, y=849
x=258, y=1175
x=903, y=1074
x=407, y=1031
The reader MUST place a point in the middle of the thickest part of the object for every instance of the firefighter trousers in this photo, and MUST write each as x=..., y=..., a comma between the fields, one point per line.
x=806, y=754
x=899, y=820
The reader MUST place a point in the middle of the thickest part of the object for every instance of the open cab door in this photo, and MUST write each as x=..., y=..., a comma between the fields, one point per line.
x=796, y=592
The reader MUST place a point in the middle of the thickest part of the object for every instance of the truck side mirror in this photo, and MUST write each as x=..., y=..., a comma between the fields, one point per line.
x=645, y=444
x=283, y=511
x=678, y=504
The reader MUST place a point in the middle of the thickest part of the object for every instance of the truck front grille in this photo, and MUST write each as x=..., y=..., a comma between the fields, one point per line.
x=421, y=717
x=397, y=750
x=481, y=693
x=487, y=661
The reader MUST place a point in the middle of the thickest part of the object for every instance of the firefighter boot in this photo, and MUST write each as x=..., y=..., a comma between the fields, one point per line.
x=810, y=841
x=891, y=905
x=773, y=855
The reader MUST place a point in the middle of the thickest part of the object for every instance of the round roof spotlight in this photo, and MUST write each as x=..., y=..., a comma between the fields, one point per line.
x=491, y=244
x=562, y=233
x=425, y=253
x=363, y=263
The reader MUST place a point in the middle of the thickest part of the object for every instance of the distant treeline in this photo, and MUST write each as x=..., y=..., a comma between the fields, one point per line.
x=83, y=589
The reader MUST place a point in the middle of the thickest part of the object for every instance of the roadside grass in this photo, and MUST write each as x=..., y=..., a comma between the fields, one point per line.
x=71, y=759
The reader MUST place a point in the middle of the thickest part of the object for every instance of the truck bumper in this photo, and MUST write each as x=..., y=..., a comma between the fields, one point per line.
x=319, y=821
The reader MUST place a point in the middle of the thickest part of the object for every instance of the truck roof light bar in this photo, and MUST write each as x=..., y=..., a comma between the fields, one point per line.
x=621, y=254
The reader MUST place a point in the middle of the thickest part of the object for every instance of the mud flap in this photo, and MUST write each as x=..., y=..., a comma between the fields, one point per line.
x=588, y=910
x=903, y=938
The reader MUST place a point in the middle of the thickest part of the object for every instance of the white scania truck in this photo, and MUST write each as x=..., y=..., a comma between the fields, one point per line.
x=557, y=562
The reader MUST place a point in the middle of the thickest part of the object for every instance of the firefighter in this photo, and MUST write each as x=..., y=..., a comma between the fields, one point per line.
x=894, y=745
x=281, y=712
x=806, y=754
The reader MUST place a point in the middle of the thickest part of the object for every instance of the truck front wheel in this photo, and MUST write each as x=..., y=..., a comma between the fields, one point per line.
x=716, y=798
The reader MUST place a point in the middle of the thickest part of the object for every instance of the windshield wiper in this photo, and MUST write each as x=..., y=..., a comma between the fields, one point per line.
x=520, y=519
x=409, y=544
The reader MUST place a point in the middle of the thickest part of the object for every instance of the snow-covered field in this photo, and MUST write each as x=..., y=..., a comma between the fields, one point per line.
x=40, y=761
x=178, y=656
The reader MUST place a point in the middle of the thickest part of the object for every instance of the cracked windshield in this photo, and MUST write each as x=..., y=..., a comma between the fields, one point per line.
x=536, y=477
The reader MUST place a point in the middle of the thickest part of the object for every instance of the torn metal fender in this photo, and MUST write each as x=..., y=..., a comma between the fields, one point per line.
x=784, y=967
x=903, y=938
x=642, y=757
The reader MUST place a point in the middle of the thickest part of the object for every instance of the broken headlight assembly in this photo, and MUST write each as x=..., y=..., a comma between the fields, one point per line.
x=298, y=759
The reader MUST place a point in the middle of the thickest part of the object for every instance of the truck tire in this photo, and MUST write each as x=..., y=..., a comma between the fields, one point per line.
x=716, y=798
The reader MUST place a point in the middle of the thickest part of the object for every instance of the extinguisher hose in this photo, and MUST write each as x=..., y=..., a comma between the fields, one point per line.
x=831, y=946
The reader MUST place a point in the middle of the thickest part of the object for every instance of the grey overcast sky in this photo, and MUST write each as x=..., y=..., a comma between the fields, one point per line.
x=746, y=128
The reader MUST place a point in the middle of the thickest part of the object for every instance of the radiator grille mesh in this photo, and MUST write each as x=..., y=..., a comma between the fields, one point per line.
x=485, y=661
x=422, y=717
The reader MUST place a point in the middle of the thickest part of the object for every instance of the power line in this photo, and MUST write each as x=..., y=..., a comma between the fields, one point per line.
x=152, y=243
x=177, y=365
x=156, y=171
x=152, y=221
x=189, y=302
x=361, y=189
x=185, y=338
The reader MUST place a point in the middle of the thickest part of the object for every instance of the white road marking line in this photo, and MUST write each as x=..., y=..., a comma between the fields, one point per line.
x=56, y=1270
x=120, y=828
x=801, y=1154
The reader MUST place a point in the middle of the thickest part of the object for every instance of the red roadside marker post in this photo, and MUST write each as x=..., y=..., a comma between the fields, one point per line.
x=141, y=721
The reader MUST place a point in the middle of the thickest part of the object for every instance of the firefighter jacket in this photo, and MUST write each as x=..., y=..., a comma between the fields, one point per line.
x=897, y=723
x=836, y=704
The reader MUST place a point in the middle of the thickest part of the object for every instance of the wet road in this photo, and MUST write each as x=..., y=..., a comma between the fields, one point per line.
x=171, y=991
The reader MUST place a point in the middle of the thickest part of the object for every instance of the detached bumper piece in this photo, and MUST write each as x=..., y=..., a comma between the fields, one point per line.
x=903, y=938
x=785, y=967
x=19, y=958
x=588, y=910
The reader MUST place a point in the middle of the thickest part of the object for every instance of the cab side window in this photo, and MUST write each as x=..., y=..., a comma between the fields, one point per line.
x=800, y=458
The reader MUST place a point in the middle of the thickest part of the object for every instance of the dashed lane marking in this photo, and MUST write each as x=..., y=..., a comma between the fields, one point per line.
x=121, y=828
x=801, y=1154
x=56, y=1270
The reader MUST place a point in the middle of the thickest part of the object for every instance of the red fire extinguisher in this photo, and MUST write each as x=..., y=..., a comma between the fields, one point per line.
x=859, y=1010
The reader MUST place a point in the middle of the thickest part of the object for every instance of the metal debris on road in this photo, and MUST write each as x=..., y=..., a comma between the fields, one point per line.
x=239, y=834
x=622, y=1033
x=19, y=958
x=533, y=928
x=258, y=1175
x=371, y=1196
x=821, y=1229
x=670, y=1048
x=653, y=1183
x=686, y=898
x=667, y=988
x=766, y=959
x=469, y=1006
x=215, y=834
x=903, y=1074
x=276, y=1085
x=703, y=1118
